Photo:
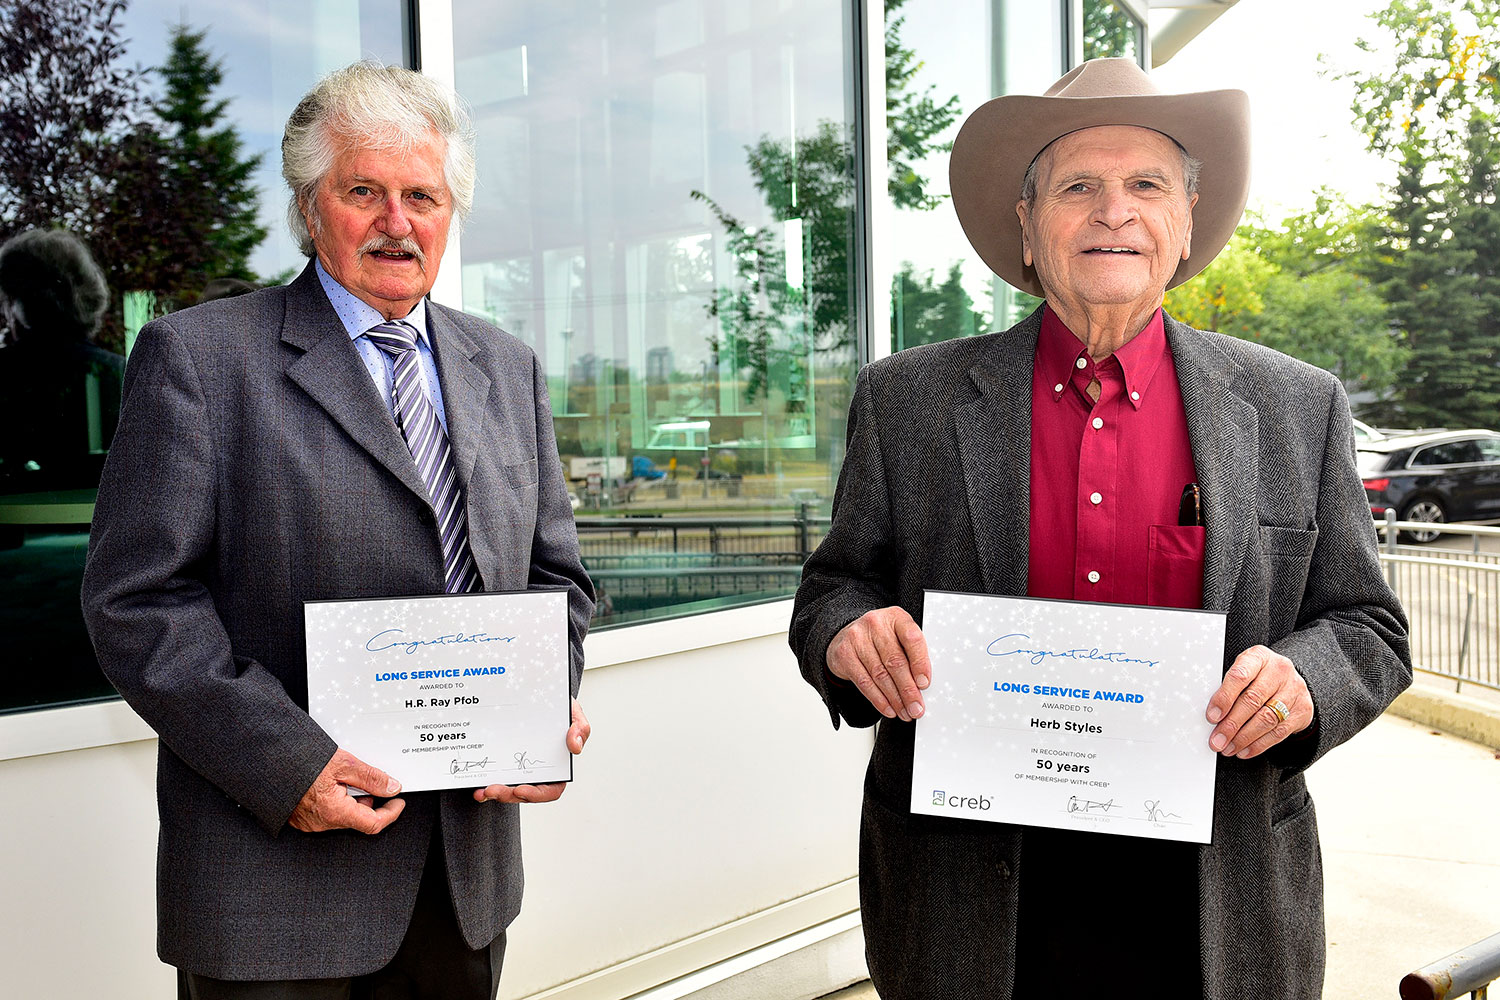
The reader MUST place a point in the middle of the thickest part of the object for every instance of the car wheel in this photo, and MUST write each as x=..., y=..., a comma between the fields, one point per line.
x=1425, y=509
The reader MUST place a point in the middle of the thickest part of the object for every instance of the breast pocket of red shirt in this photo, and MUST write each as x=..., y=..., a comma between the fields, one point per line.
x=1174, y=566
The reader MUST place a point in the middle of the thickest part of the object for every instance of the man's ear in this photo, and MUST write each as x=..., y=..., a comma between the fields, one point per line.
x=309, y=216
x=1022, y=214
x=1187, y=237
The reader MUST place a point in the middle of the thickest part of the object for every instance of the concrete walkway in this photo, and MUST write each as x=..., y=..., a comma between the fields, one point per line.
x=1410, y=824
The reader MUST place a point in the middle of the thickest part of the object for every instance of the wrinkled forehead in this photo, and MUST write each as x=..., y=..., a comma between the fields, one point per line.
x=422, y=156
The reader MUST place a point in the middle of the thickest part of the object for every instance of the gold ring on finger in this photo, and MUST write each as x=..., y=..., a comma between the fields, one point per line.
x=1279, y=707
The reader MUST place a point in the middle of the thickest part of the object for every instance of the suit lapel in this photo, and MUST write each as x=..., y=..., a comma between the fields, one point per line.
x=994, y=443
x=466, y=389
x=331, y=372
x=1224, y=431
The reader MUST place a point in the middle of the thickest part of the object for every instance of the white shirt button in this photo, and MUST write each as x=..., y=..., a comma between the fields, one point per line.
x=1082, y=363
x=1098, y=423
x=1096, y=498
x=1135, y=395
x=1093, y=576
x=1057, y=387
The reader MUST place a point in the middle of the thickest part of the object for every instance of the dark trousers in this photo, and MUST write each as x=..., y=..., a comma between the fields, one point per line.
x=433, y=962
x=1097, y=908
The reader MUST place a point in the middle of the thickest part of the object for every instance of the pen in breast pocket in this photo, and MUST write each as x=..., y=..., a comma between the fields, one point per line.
x=1190, y=507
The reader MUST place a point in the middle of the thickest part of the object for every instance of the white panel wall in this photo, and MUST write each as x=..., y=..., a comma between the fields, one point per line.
x=714, y=811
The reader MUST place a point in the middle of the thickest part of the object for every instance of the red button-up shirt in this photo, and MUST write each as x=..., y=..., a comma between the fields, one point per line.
x=1107, y=477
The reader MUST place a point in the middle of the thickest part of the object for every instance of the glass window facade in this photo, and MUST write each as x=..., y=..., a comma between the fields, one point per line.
x=949, y=57
x=666, y=215
x=668, y=212
x=166, y=192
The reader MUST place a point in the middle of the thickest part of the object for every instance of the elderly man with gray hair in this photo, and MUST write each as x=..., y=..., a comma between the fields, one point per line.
x=1100, y=451
x=266, y=456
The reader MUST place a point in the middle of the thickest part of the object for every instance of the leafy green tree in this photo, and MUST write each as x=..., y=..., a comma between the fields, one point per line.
x=65, y=101
x=761, y=312
x=1296, y=287
x=813, y=182
x=158, y=188
x=1332, y=233
x=1432, y=106
x=1226, y=295
x=914, y=118
x=1336, y=320
x=1107, y=30
x=812, y=179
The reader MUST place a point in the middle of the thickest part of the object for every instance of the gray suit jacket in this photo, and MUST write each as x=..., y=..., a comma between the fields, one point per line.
x=935, y=493
x=256, y=467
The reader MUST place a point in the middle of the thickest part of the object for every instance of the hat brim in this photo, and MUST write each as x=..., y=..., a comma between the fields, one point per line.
x=1001, y=138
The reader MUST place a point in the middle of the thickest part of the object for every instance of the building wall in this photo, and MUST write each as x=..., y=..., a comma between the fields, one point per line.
x=708, y=845
x=714, y=811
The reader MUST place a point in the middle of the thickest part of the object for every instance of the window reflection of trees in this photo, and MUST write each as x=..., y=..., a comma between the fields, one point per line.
x=143, y=165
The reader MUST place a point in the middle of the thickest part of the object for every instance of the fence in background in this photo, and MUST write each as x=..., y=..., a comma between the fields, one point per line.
x=1450, y=588
x=638, y=563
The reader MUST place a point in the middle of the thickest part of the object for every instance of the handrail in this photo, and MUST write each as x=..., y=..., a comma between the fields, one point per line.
x=1442, y=527
x=1468, y=970
x=1463, y=564
x=663, y=522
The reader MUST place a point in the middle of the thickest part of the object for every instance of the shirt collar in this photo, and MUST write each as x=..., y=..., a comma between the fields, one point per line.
x=1058, y=353
x=358, y=316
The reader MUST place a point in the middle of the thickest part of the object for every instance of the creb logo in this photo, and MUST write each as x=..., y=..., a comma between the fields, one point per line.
x=960, y=801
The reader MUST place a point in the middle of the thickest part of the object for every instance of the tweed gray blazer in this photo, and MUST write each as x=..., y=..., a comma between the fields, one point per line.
x=935, y=492
x=256, y=467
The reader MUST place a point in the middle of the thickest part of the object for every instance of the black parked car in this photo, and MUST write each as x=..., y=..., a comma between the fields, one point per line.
x=1440, y=476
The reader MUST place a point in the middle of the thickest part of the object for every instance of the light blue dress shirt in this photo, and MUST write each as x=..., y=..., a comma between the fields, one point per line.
x=359, y=316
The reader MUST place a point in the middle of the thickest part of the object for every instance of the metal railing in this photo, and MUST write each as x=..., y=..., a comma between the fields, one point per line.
x=647, y=562
x=1451, y=594
x=1468, y=970
x=1452, y=598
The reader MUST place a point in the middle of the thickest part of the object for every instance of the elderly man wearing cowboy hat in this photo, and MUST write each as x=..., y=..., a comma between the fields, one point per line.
x=1101, y=451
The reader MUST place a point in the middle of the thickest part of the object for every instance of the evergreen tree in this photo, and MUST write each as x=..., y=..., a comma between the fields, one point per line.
x=925, y=313
x=1433, y=107
x=204, y=171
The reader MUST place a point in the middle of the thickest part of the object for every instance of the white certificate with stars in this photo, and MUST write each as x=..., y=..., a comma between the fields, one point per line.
x=453, y=691
x=1069, y=714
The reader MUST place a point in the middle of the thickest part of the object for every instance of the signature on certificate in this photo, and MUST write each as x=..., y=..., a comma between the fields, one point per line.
x=1156, y=814
x=460, y=766
x=525, y=762
x=1077, y=805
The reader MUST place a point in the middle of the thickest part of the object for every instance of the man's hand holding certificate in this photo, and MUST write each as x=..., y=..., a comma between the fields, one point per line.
x=459, y=691
x=1068, y=714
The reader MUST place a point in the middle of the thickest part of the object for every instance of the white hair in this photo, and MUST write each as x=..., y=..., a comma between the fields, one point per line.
x=380, y=107
x=1190, y=169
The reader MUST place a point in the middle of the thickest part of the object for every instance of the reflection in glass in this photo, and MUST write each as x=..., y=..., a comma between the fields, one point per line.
x=1109, y=30
x=944, y=58
x=151, y=131
x=666, y=216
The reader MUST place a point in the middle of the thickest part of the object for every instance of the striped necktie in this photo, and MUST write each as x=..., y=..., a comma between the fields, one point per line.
x=429, y=446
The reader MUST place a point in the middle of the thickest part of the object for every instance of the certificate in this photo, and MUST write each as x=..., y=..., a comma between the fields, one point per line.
x=1069, y=714
x=457, y=691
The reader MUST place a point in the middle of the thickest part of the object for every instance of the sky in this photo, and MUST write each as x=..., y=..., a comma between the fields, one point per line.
x=1301, y=131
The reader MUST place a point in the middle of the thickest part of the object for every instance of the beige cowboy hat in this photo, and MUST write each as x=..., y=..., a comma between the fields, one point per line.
x=1001, y=138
